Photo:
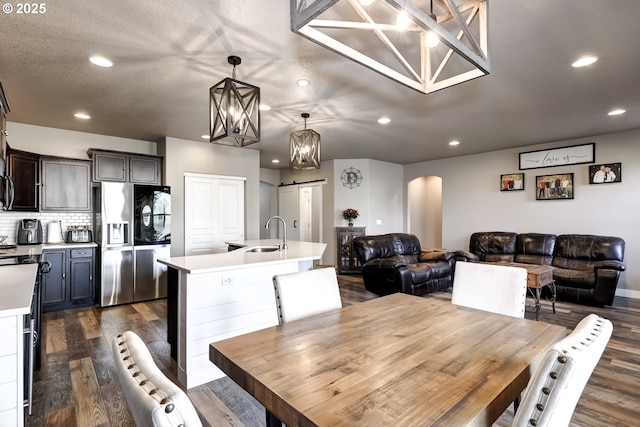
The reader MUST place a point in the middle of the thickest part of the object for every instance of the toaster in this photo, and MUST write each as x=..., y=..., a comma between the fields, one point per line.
x=29, y=232
x=79, y=236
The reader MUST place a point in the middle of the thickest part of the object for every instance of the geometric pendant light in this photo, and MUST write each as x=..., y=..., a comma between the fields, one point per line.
x=304, y=147
x=234, y=113
x=396, y=37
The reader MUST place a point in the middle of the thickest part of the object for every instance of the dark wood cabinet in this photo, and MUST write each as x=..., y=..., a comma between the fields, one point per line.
x=4, y=185
x=65, y=185
x=126, y=167
x=24, y=170
x=347, y=260
x=70, y=282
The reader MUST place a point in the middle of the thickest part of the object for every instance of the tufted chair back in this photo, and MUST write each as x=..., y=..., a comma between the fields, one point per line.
x=153, y=399
x=557, y=384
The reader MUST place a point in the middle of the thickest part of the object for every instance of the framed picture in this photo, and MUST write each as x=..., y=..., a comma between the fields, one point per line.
x=605, y=173
x=554, y=187
x=573, y=155
x=512, y=182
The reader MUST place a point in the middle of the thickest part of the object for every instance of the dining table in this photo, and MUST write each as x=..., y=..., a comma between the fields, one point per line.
x=397, y=360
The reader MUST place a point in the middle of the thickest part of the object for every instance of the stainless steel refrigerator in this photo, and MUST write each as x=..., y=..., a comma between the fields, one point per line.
x=132, y=226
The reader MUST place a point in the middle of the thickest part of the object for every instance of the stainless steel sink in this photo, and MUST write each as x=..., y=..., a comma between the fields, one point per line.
x=263, y=249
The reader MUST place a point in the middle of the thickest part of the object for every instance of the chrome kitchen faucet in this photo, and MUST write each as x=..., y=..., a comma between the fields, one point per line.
x=284, y=228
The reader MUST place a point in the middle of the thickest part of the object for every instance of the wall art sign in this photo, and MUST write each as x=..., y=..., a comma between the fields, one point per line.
x=351, y=178
x=573, y=155
x=512, y=182
x=553, y=187
x=605, y=173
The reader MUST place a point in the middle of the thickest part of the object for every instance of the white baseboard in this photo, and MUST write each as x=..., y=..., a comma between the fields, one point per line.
x=627, y=293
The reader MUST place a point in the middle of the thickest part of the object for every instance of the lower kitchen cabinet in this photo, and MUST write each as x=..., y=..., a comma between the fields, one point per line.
x=70, y=281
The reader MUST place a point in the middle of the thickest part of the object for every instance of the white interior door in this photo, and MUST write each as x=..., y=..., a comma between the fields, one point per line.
x=288, y=209
x=214, y=212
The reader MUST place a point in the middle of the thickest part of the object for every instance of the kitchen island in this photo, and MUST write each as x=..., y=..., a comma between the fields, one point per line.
x=217, y=296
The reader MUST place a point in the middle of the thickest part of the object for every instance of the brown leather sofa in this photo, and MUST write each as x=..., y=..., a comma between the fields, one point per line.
x=396, y=263
x=586, y=267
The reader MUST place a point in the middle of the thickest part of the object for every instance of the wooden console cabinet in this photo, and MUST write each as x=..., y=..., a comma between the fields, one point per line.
x=347, y=260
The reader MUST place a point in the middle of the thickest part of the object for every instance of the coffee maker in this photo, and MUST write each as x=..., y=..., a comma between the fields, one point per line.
x=29, y=232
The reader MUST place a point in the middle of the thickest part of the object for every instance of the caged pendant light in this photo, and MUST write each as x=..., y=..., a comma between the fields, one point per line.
x=409, y=41
x=305, y=147
x=234, y=113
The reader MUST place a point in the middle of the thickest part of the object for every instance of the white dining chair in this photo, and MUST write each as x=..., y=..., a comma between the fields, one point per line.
x=306, y=293
x=495, y=288
x=557, y=384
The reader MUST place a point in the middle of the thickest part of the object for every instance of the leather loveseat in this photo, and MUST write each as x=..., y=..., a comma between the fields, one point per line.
x=396, y=263
x=586, y=267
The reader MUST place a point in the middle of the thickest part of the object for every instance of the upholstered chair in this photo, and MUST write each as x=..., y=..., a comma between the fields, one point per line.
x=495, y=288
x=557, y=384
x=154, y=400
x=306, y=293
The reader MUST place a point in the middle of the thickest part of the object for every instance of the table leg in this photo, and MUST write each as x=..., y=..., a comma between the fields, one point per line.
x=272, y=421
x=553, y=298
x=537, y=303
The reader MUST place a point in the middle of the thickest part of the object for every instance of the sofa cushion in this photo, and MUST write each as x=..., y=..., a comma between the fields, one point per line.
x=583, y=251
x=535, y=248
x=423, y=272
x=386, y=246
x=583, y=279
x=493, y=246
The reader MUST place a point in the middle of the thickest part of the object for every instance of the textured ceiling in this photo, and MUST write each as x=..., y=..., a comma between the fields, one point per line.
x=168, y=53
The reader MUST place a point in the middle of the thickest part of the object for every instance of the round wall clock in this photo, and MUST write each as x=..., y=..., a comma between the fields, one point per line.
x=351, y=177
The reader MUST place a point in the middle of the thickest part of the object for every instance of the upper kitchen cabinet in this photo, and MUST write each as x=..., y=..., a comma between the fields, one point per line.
x=126, y=167
x=65, y=185
x=24, y=172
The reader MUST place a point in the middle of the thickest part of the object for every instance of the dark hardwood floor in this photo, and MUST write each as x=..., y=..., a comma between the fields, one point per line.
x=77, y=385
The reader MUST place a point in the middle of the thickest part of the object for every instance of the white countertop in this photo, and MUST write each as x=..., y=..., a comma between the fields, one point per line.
x=16, y=281
x=16, y=288
x=198, y=264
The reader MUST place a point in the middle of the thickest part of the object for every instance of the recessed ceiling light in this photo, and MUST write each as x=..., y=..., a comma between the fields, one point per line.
x=205, y=136
x=584, y=61
x=265, y=107
x=617, y=112
x=454, y=142
x=101, y=61
x=303, y=82
x=82, y=116
x=275, y=161
x=384, y=120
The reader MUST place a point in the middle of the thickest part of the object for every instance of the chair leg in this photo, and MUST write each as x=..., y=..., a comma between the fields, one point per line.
x=516, y=404
x=272, y=421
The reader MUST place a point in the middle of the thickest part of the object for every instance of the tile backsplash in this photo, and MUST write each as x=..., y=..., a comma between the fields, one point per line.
x=9, y=222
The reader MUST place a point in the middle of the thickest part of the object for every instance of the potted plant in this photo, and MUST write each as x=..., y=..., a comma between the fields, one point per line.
x=350, y=215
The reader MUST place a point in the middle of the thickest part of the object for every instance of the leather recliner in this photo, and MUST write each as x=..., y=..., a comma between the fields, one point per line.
x=396, y=263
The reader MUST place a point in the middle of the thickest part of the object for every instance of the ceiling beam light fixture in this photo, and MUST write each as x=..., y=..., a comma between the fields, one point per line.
x=402, y=54
x=305, y=147
x=234, y=110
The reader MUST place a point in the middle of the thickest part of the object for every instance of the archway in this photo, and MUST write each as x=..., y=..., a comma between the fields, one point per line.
x=424, y=210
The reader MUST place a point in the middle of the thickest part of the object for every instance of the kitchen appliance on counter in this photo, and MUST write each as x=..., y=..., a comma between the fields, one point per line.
x=54, y=232
x=79, y=234
x=132, y=225
x=29, y=232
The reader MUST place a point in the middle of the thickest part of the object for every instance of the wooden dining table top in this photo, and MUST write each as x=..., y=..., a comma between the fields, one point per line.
x=397, y=360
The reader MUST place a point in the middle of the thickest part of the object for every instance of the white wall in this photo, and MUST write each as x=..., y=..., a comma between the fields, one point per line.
x=472, y=200
x=68, y=143
x=182, y=156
